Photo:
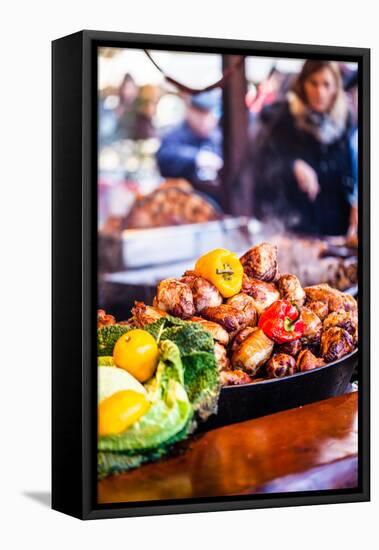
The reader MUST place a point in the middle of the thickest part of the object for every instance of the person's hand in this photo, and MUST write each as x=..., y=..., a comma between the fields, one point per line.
x=208, y=164
x=306, y=179
x=352, y=232
x=208, y=159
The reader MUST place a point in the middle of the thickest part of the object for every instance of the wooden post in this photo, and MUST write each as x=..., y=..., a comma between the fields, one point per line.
x=235, y=178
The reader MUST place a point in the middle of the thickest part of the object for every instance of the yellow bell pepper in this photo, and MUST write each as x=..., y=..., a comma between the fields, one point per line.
x=223, y=269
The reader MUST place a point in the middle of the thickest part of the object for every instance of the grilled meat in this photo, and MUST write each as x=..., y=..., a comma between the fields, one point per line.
x=234, y=377
x=144, y=315
x=229, y=317
x=253, y=352
x=204, y=293
x=260, y=262
x=219, y=334
x=335, y=343
x=280, y=365
x=312, y=326
x=246, y=304
x=263, y=294
x=290, y=289
x=307, y=361
x=175, y=297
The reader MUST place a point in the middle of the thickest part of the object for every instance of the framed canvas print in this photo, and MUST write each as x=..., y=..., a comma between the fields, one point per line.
x=210, y=274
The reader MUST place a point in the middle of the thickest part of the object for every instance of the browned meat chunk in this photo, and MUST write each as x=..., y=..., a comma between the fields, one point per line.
x=241, y=336
x=143, y=314
x=215, y=329
x=319, y=308
x=280, y=365
x=312, y=326
x=235, y=377
x=254, y=351
x=325, y=293
x=221, y=357
x=335, y=343
x=204, y=293
x=350, y=303
x=307, y=361
x=175, y=297
x=229, y=317
x=290, y=348
x=246, y=304
x=290, y=289
x=263, y=294
x=343, y=319
x=260, y=262
x=103, y=319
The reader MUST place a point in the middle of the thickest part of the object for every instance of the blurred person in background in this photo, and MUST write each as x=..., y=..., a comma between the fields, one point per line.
x=126, y=108
x=146, y=108
x=303, y=158
x=193, y=150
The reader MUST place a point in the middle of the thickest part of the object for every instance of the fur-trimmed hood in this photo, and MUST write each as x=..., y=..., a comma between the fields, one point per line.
x=325, y=127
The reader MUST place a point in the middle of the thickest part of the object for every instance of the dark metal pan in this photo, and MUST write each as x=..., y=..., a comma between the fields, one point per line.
x=238, y=403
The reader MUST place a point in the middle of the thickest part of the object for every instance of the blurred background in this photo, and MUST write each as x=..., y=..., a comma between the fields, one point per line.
x=198, y=151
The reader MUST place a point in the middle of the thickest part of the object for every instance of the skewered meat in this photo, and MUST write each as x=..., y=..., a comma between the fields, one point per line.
x=204, y=293
x=234, y=377
x=312, y=326
x=343, y=319
x=221, y=357
x=260, y=262
x=215, y=329
x=246, y=304
x=290, y=289
x=280, y=365
x=229, y=317
x=143, y=314
x=335, y=343
x=307, y=361
x=263, y=294
x=241, y=336
x=319, y=308
x=175, y=297
x=103, y=319
x=254, y=351
x=290, y=348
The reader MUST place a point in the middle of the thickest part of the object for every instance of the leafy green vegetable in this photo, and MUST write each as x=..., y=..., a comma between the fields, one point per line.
x=186, y=381
x=107, y=336
x=109, y=463
x=105, y=361
x=201, y=376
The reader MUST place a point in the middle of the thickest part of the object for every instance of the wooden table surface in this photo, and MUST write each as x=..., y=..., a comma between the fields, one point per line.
x=311, y=447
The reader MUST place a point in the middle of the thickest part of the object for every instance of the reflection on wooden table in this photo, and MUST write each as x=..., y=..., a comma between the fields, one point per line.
x=309, y=448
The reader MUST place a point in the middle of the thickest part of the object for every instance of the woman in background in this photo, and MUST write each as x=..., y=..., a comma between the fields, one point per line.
x=303, y=161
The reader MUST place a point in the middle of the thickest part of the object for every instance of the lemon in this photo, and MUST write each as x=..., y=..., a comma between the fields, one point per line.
x=111, y=380
x=119, y=411
x=137, y=352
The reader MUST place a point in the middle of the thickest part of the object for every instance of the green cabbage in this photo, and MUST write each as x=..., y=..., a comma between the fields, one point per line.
x=169, y=412
x=186, y=385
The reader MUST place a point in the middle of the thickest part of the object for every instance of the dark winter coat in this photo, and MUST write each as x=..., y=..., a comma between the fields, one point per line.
x=289, y=132
x=176, y=156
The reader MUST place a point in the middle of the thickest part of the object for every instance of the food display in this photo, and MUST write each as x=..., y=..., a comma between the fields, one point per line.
x=173, y=203
x=229, y=321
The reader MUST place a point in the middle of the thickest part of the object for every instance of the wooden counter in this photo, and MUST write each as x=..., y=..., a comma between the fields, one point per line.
x=309, y=448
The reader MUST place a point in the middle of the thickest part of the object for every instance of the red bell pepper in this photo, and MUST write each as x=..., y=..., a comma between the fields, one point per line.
x=281, y=322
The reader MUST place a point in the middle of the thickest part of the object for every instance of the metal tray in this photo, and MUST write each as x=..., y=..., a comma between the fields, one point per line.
x=238, y=403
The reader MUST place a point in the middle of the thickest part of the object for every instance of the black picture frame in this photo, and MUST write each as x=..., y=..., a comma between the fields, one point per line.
x=74, y=272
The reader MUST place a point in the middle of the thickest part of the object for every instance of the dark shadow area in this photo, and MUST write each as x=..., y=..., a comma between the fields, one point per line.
x=42, y=497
